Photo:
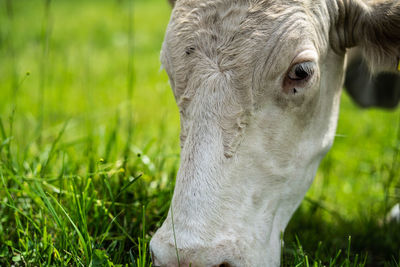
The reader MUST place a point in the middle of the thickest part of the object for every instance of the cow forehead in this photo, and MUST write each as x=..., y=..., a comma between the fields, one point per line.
x=229, y=18
x=247, y=41
x=236, y=33
x=216, y=52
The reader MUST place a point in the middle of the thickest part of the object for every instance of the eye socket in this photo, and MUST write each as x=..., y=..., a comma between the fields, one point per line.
x=301, y=71
x=299, y=77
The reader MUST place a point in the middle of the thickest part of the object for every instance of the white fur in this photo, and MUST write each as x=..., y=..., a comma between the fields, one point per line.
x=250, y=148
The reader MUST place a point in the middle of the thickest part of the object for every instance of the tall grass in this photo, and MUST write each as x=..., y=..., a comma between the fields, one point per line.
x=89, y=147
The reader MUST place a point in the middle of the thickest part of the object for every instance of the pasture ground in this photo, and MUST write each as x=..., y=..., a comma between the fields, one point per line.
x=89, y=147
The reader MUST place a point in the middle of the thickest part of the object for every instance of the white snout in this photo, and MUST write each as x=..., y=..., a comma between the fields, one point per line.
x=166, y=254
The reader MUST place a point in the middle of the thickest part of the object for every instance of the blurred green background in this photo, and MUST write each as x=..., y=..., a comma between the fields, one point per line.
x=85, y=110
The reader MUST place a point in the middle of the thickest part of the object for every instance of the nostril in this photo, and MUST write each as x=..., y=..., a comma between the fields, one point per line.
x=224, y=264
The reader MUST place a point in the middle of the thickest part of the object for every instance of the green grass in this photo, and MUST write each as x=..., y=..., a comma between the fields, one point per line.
x=89, y=147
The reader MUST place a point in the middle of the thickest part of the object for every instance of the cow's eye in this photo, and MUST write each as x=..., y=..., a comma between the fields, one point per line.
x=301, y=71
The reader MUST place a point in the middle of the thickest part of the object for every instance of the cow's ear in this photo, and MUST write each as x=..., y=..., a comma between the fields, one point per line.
x=172, y=2
x=373, y=26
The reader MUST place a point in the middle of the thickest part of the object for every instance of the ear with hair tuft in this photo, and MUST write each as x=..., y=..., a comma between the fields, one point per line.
x=375, y=28
x=172, y=2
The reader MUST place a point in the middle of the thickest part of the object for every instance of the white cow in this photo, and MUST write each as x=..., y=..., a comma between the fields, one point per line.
x=258, y=85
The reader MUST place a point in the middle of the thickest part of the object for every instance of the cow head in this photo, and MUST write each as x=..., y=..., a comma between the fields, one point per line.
x=258, y=84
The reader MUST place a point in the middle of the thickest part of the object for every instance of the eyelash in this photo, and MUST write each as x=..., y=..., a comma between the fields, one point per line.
x=298, y=76
x=301, y=71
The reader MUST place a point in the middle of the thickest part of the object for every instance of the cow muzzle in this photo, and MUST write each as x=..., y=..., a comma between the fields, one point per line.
x=165, y=254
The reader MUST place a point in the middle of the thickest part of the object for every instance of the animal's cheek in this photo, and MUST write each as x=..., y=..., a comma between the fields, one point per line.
x=301, y=106
x=182, y=139
x=183, y=133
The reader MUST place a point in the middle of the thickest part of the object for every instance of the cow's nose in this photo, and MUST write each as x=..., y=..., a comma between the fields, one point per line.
x=166, y=255
x=157, y=263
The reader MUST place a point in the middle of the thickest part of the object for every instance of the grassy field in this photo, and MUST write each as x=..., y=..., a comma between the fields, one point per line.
x=89, y=147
